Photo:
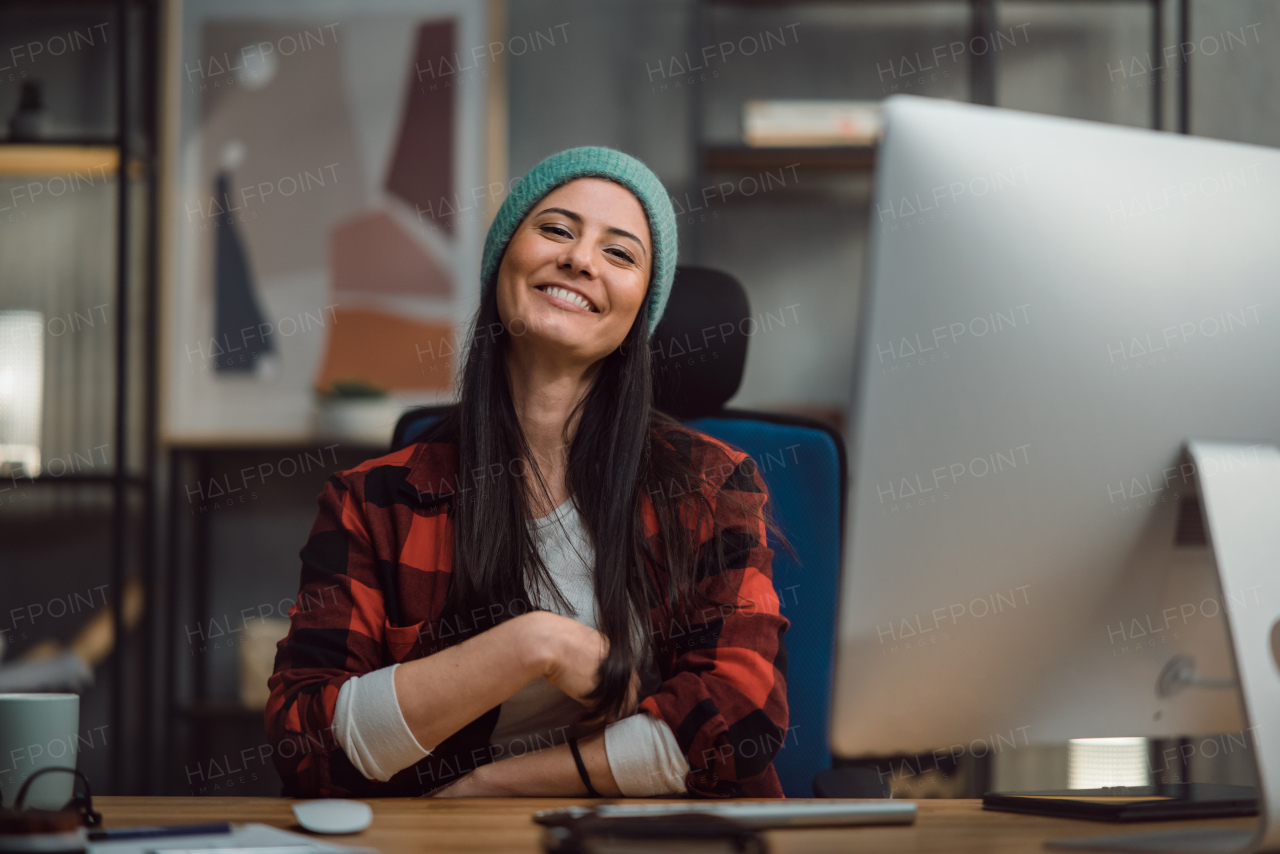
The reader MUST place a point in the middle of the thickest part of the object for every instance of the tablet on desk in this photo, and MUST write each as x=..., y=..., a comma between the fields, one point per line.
x=1132, y=803
x=824, y=812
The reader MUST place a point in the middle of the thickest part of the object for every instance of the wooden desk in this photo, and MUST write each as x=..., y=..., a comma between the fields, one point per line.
x=413, y=825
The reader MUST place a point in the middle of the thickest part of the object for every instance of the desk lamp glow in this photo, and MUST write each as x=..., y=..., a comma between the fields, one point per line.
x=21, y=389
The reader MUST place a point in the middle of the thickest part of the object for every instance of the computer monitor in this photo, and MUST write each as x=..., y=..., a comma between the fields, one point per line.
x=1052, y=308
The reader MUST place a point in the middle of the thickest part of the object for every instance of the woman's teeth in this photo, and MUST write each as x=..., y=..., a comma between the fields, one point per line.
x=569, y=296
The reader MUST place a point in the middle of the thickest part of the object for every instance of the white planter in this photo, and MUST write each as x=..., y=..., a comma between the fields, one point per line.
x=362, y=420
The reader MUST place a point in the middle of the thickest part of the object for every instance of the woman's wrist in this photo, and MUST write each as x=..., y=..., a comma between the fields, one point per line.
x=542, y=773
x=482, y=783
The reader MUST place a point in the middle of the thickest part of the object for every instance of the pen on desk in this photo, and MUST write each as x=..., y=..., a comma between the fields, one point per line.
x=154, y=832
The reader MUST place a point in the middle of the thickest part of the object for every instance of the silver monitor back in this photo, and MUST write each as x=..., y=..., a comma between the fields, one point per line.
x=1052, y=308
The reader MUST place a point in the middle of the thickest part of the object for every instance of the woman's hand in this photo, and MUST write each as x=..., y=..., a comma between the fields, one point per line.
x=591, y=718
x=572, y=654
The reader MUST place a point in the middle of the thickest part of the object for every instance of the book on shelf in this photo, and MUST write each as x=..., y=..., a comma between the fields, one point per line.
x=811, y=123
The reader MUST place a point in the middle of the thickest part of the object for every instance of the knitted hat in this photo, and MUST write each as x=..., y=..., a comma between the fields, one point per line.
x=591, y=162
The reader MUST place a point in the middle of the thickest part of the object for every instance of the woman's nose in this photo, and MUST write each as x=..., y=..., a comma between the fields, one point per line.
x=576, y=258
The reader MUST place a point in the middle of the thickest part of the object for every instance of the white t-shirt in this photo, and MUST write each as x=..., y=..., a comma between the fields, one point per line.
x=643, y=753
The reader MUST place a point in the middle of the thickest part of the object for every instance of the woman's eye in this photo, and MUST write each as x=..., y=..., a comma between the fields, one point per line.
x=561, y=231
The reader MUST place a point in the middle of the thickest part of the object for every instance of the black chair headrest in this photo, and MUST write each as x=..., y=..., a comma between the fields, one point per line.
x=699, y=349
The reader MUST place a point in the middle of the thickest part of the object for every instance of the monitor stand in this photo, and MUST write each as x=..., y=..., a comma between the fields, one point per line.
x=1240, y=498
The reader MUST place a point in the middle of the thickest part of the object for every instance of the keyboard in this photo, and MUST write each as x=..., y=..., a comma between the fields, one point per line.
x=762, y=815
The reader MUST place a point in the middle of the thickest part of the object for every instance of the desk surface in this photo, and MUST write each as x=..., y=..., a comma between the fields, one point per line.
x=413, y=825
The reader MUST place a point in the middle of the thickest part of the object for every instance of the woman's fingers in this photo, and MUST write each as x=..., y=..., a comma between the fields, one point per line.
x=576, y=669
x=593, y=718
x=633, y=694
x=633, y=697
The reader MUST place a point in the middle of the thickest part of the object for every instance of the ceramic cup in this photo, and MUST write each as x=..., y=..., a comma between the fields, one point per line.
x=38, y=731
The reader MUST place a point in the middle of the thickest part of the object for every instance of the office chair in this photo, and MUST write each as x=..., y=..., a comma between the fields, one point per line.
x=698, y=353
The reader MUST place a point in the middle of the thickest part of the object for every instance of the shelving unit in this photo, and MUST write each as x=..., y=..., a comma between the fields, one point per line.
x=100, y=159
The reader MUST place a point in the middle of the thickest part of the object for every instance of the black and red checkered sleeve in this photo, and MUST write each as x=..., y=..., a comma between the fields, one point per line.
x=725, y=692
x=335, y=633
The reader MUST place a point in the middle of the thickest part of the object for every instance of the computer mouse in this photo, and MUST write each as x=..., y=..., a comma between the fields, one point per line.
x=333, y=815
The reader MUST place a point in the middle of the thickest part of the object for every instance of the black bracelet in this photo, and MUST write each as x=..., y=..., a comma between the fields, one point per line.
x=582, y=769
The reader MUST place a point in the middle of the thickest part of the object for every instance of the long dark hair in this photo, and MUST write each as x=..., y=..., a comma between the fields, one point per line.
x=617, y=456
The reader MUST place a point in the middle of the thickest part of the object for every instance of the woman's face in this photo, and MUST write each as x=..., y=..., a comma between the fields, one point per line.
x=591, y=238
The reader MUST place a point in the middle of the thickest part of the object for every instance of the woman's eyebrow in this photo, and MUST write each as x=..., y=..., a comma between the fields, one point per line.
x=578, y=219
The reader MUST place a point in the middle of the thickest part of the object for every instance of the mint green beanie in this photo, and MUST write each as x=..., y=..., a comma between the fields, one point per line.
x=591, y=162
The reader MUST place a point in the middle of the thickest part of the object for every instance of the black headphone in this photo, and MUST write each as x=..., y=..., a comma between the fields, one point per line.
x=81, y=802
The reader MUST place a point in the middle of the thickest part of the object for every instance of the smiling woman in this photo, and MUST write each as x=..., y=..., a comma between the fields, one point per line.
x=527, y=603
x=574, y=275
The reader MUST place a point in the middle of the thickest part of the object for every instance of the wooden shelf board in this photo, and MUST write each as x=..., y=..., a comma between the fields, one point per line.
x=743, y=157
x=77, y=162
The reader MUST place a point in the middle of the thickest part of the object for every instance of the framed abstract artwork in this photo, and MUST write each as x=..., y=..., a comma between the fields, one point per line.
x=328, y=177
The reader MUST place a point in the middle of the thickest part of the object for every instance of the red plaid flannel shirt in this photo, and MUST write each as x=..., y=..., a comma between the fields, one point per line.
x=375, y=571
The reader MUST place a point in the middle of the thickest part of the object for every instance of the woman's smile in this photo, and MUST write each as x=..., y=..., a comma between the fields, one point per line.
x=567, y=299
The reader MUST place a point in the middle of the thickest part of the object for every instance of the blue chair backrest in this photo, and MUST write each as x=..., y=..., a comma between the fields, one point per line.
x=802, y=464
x=414, y=423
